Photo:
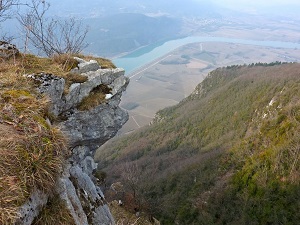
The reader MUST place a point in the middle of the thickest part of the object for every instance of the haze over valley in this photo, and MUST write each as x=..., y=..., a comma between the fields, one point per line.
x=167, y=80
x=150, y=112
x=122, y=27
x=119, y=27
x=166, y=22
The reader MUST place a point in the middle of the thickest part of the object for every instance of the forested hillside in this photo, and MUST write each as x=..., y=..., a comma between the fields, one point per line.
x=112, y=35
x=227, y=154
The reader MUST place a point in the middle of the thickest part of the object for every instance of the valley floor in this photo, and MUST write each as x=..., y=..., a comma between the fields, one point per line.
x=173, y=77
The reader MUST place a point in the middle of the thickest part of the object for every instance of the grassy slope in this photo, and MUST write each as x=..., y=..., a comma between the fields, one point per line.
x=32, y=152
x=228, y=154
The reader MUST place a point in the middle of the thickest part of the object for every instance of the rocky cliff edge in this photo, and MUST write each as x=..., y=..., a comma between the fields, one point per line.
x=86, y=128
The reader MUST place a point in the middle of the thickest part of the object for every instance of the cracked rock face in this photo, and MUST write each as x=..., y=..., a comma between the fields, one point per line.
x=94, y=128
x=86, y=131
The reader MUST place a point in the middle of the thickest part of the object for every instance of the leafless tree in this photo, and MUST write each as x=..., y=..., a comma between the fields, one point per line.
x=6, y=12
x=132, y=178
x=5, y=8
x=131, y=175
x=50, y=35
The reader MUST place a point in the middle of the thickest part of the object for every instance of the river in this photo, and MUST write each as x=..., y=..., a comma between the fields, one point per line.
x=142, y=56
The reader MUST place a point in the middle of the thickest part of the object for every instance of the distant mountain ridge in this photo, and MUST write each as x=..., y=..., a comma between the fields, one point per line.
x=227, y=154
x=117, y=27
x=112, y=35
x=106, y=7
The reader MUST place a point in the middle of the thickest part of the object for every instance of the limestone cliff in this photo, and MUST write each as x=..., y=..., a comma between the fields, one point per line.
x=86, y=130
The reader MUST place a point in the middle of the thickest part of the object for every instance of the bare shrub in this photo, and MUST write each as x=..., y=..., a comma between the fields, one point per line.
x=52, y=36
x=5, y=8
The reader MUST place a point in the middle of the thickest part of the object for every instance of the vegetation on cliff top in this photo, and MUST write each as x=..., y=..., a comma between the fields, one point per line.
x=32, y=150
x=227, y=154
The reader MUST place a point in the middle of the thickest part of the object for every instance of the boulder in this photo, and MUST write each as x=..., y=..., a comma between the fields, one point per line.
x=86, y=66
x=7, y=50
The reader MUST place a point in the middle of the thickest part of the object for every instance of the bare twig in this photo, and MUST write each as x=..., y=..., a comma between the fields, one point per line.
x=5, y=8
x=49, y=35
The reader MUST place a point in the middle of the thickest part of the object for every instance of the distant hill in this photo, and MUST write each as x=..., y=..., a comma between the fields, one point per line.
x=117, y=27
x=102, y=8
x=112, y=35
x=227, y=154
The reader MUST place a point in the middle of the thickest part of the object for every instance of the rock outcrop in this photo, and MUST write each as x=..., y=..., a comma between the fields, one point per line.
x=86, y=131
x=7, y=50
x=84, y=66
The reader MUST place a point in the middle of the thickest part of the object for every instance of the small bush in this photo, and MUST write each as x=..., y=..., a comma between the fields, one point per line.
x=101, y=176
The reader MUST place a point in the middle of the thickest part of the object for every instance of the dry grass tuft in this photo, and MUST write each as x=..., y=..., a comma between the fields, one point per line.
x=66, y=61
x=55, y=212
x=28, y=159
x=41, y=157
x=104, y=63
x=95, y=98
x=12, y=193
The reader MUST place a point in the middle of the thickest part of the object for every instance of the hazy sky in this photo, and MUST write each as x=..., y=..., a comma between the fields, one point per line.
x=258, y=2
x=261, y=7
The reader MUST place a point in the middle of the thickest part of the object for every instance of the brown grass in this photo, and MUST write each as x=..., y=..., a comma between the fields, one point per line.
x=104, y=63
x=11, y=71
x=11, y=191
x=95, y=98
x=27, y=160
x=66, y=61
x=32, y=152
x=124, y=217
x=55, y=212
